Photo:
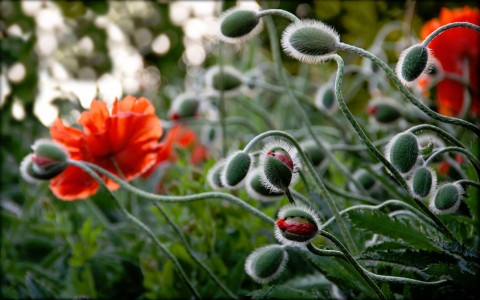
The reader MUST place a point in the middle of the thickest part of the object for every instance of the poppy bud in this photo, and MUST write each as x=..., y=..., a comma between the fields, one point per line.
x=257, y=190
x=277, y=168
x=325, y=99
x=214, y=175
x=413, y=61
x=423, y=182
x=239, y=25
x=236, y=169
x=310, y=41
x=267, y=263
x=368, y=182
x=314, y=154
x=403, y=151
x=230, y=80
x=427, y=143
x=296, y=225
x=447, y=198
x=184, y=106
x=384, y=111
x=47, y=161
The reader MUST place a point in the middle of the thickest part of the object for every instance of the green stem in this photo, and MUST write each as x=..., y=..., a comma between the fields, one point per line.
x=470, y=156
x=278, y=12
x=276, y=54
x=318, y=181
x=354, y=263
x=140, y=224
x=332, y=188
x=442, y=133
x=179, y=199
x=289, y=196
x=468, y=182
x=192, y=254
x=262, y=113
x=338, y=83
x=441, y=29
x=405, y=92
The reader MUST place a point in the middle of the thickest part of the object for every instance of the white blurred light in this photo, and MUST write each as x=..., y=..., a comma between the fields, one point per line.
x=85, y=45
x=46, y=44
x=142, y=37
x=250, y=5
x=179, y=12
x=17, y=72
x=195, y=28
x=18, y=111
x=109, y=88
x=203, y=8
x=58, y=71
x=130, y=85
x=15, y=30
x=49, y=19
x=31, y=8
x=5, y=90
x=161, y=44
x=195, y=54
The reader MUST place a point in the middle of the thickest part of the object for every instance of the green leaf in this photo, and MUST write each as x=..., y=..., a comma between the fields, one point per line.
x=409, y=258
x=381, y=223
x=36, y=289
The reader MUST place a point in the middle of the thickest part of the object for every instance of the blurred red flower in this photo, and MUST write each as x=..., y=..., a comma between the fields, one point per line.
x=127, y=137
x=453, y=48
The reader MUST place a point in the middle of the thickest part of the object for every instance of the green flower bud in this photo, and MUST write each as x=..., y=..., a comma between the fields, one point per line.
x=236, y=169
x=230, y=80
x=366, y=180
x=215, y=174
x=447, y=198
x=423, y=182
x=239, y=25
x=296, y=225
x=384, y=111
x=257, y=190
x=279, y=162
x=315, y=155
x=413, y=61
x=267, y=263
x=403, y=151
x=310, y=41
x=325, y=99
x=184, y=106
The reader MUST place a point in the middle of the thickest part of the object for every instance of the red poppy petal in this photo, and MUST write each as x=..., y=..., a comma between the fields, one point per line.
x=93, y=121
x=73, y=184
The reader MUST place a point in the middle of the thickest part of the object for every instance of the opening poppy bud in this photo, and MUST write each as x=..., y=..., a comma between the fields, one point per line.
x=384, y=111
x=413, y=61
x=215, y=174
x=314, y=154
x=296, y=225
x=447, y=198
x=239, y=25
x=403, y=152
x=278, y=168
x=32, y=173
x=310, y=41
x=47, y=152
x=257, y=190
x=267, y=263
x=184, y=106
x=427, y=143
x=423, y=182
x=230, y=80
x=236, y=169
x=325, y=99
x=366, y=180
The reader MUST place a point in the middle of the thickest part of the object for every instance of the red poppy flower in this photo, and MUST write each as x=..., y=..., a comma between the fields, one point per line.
x=126, y=138
x=452, y=49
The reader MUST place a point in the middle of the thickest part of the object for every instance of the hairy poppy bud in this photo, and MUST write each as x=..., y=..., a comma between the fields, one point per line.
x=184, y=106
x=214, y=175
x=368, y=182
x=230, y=80
x=236, y=169
x=296, y=225
x=325, y=99
x=423, y=182
x=47, y=161
x=239, y=25
x=267, y=263
x=310, y=41
x=447, y=198
x=403, y=151
x=384, y=111
x=257, y=190
x=280, y=162
x=313, y=152
x=413, y=61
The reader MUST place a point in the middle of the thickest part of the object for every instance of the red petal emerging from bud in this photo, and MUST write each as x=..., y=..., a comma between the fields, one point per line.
x=371, y=110
x=296, y=226
x=42, y=161
x=286, y=159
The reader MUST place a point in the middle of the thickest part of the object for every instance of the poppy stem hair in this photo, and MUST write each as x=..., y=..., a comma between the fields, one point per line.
x=439, y=30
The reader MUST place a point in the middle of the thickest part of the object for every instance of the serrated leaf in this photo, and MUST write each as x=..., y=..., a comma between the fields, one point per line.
x=382, y=224
x=419, y=259
x=388, y=245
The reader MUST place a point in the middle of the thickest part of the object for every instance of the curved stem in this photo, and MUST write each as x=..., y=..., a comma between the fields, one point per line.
x=140, y=224
x=470, y=156
x=441, y=29
x=378, y=154
x=278, y=12
x=192, y=254
x=332, y=188
x=289, y=196
x=262, y=113
x=378, y=207
x=468, y=182
x=354, y=263
x=178, y=199
x=405, y=92
x=318, y=181
x=442, y=133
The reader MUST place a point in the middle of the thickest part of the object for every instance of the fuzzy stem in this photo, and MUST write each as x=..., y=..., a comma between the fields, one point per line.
x=441, y=29
x=179, y=199
x=468, y=182
x=289, y=196
x=470, y=156
x=332, y=188
x=261, y=112
x=333, y=207
x=139, y=223
x=405, y=92
x=442, y=133
x=354, y=263
x=278, y=12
